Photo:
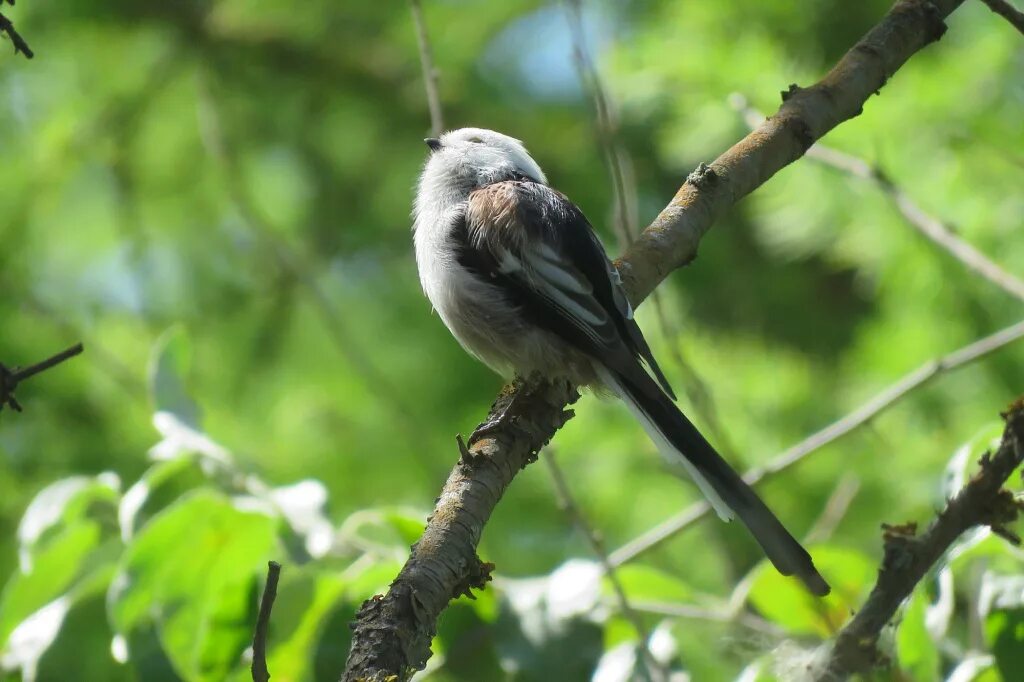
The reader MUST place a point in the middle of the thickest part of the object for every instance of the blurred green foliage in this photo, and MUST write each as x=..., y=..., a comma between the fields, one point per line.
x=215, y=198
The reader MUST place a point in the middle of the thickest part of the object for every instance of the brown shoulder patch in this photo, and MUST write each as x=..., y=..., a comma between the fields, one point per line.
x=493, y=210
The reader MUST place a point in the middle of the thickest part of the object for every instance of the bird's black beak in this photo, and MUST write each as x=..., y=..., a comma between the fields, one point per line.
x=433, y=143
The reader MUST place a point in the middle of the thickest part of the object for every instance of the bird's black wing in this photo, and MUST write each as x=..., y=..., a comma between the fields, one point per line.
x=544, y=252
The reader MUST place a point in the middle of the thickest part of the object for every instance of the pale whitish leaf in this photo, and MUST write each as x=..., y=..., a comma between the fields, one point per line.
x=541, y=617
x=662, y=643
x=169, y=366
x=163, y=482
x=302, y=505
x=617, y=664
x=1000, y=592
x=30, y=640
x=972, y=666
x=964, y=460
x=48, y=507
x=758, y=671
x=573, y=589
x=179, y=438
x=938, y=614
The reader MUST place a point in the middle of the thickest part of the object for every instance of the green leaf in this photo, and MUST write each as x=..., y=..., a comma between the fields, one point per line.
x=305, y=600
x=73, y=568
x=52, y=573
x=409, y=525
x=61, y=503
x=189, y=575
x=168, y=370
x=646, y=583
x=161, y=485
x=1004, y=631
x=374, y=579
x=915, y=651
x=786, y=602
x=1001, y=607
x=545, y=628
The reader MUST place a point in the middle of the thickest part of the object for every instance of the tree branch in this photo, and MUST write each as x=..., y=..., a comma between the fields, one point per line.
x=650, y=667
x=392, y=633
x=429, y=70
x=259, y=640
x=908, y=556
x=1008, y=12
x=10, y=378
x=931, y=227
x=819, y=439
x=7, y=26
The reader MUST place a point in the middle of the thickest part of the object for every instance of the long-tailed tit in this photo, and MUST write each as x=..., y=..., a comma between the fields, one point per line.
x=519, y=277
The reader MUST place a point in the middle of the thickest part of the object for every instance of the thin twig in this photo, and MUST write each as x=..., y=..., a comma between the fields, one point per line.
x=624, y=201
x=259, y=639
x=6, y=26
x=836, y=506
x=908, y=557
x=10, y=378
x=931, y=227
x=430, y=74
x=568, y=504
x=866, y=412
x=721, y=615
x=1008, y=12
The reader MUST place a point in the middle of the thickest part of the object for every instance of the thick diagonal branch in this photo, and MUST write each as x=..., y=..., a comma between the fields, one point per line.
x=392, y=634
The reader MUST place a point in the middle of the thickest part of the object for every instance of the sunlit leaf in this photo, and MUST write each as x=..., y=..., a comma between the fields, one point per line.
x=646, y=583
x=64, y=501
x=916, y=651
x=786, y=602
x=190, y=574
x=305, y=599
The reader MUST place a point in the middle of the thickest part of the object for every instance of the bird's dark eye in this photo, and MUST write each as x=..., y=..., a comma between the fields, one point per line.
x=476, y=140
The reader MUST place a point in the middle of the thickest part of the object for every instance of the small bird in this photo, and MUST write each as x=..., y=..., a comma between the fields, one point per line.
x=516, y=272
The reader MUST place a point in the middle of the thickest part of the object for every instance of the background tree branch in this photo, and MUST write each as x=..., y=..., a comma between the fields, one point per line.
x=1008, y=12
x=392, y=633
x=7, y=26
x=908, y=557
x=10, y=378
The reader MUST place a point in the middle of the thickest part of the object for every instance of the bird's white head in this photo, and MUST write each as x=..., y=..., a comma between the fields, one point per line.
x=466, y=159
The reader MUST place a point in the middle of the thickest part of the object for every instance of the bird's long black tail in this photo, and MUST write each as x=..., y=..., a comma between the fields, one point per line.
x=679, y=440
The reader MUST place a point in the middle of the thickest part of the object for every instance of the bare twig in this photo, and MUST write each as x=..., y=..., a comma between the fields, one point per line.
x=392, y=633
x=6, y=26
x=10, y=378
x=835, y=509
x=1008, y=12
x=863, y=414
x=259, y=639
x=430, y=75
x=719, y=615
x=983, y=501
x=620, y=168
x=931, y=227
x=568, y=504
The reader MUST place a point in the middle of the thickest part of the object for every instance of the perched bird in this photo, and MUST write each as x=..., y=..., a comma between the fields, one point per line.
x=520, y=278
